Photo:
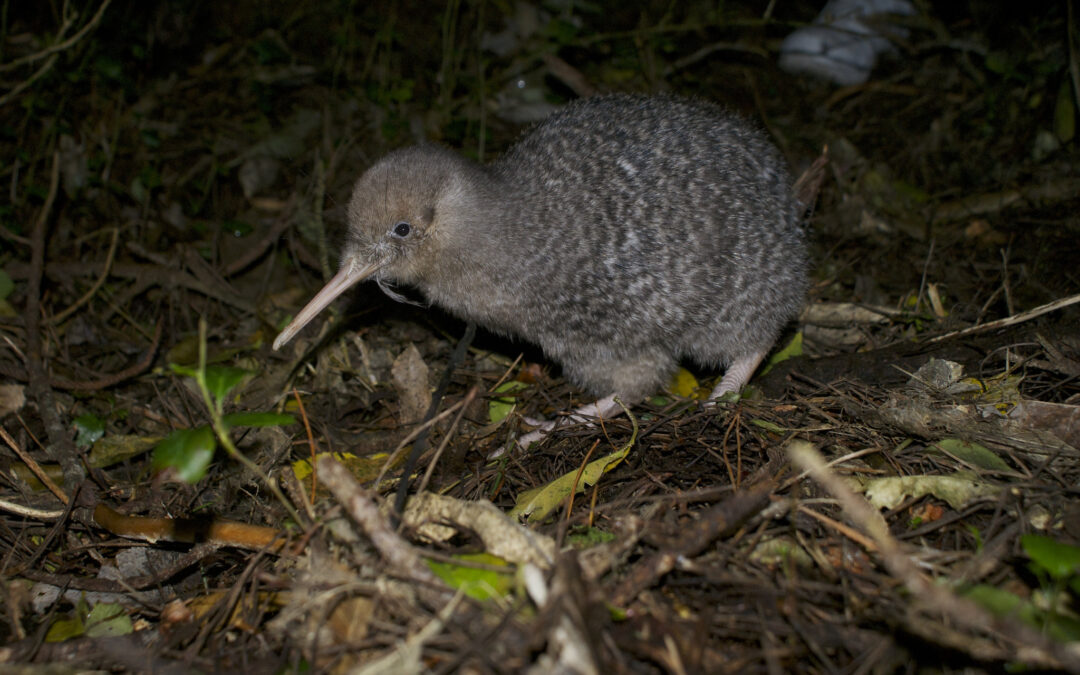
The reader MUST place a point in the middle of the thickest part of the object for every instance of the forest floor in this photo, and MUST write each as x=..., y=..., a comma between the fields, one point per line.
x=900, y=491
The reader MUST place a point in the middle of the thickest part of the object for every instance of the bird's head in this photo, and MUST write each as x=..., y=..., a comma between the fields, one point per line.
x=406, y=213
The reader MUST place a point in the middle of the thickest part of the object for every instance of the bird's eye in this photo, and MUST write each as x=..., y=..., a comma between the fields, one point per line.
x=402, y=229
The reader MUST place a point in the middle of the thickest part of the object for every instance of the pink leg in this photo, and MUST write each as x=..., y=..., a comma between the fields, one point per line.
x=603, y=409
x=737, y=374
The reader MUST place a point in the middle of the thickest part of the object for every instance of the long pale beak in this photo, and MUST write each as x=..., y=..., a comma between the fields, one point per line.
x=351, y=274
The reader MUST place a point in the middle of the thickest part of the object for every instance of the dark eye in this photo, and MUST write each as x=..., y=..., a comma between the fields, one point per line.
x=402, y=229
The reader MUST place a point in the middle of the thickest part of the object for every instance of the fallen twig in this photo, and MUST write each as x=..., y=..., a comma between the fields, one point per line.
x=1028, y=645
x=361, y=506
x=167, y=276
x=59, y=46
x=1011, y=320
x=260, y=247
x=446, y=439
x=60, y=447
x=35, y=468
x=57, y=318
x=115, y=378
x=190, y=530
x=993, y=202
x=725, y=517
x=50, y=54
x=103, y=382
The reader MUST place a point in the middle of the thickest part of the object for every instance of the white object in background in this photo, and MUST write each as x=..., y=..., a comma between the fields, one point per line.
x=838, y=46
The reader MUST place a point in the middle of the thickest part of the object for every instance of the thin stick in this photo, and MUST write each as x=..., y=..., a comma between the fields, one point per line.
x=1011, y=320
x=1005, y=281
x=34, y=467
x=361, y=505
x=413, y=435
x=311, y=443
x=30, y=512
x=419, y=444
x=1074, y=62
x=114, y=378
x=849, y=532
x=925, y=271
x=1028, y=644
x=577, y=479
x=60, y=446
x=446, y=439
x=58, y=318
x=60, y=46
x=22, y=86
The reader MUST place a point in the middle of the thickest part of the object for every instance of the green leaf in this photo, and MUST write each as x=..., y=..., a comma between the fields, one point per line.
x=6, y=285
x=1061, y=561
x=114, y=449
x=23, y=473
x=186, y=371
x=537, y=503
x=402, y=92
x=149, y=177
x=781, y=551
x=109, y=68
x=972, y=453
x=999, y=602
x=1063, y=628
x=589, y=537
x=768, y=426
x=500, y=407
x=88, y=429
x=257, y=419
x=220, y=380
x=476, y=583
x=72, y=626
x=363, y=469
x=790, y=350
x=1059, y=627
x=187, y=451
x=976, y=534
x=108, y=620
x=65, y=629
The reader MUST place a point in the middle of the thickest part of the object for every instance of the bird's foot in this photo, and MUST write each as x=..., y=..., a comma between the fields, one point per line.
x=736, y=377
x=586, y=414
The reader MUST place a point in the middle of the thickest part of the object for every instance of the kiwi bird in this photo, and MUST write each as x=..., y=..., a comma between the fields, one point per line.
x=622, y=234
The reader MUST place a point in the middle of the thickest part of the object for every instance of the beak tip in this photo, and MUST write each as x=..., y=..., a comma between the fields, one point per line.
x=341, y=281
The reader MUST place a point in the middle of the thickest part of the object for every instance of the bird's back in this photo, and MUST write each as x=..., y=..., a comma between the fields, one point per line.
x=654, y=220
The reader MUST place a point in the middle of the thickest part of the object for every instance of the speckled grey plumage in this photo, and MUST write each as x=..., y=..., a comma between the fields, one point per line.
x=622, y=234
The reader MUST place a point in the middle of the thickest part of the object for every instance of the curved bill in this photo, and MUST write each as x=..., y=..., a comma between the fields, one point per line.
x=342, y=281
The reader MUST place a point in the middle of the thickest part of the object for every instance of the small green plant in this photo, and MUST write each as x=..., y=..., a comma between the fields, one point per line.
x=88, y=429
x=105, y=619
x=1057, y=568
x=1054, y=564
x=188, y=452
